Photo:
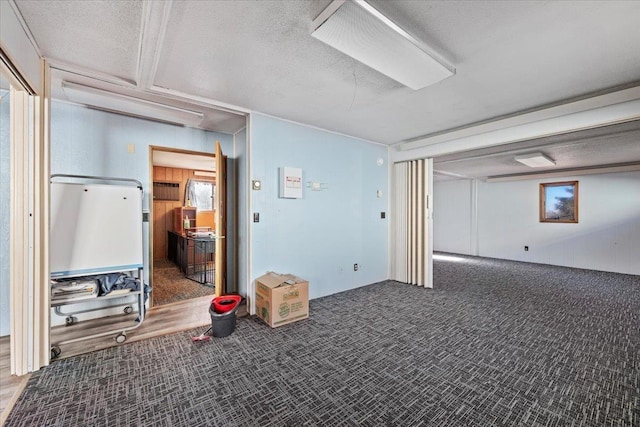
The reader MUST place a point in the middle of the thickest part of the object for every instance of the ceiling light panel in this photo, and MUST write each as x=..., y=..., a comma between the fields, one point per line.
x=357, y=29
x=535, y=160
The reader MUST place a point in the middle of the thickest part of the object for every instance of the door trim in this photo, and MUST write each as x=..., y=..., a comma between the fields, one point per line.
x=153, y=148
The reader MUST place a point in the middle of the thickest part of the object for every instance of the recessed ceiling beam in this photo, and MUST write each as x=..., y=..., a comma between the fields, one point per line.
x=615, y=107
x=198, y=100
x=591, y=170
x=155, y=16
x=451, y=174
x=138, y=107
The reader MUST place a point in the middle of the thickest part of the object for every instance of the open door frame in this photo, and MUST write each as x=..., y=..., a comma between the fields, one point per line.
x=153, y=148
x=220, y=214
x=221, y=221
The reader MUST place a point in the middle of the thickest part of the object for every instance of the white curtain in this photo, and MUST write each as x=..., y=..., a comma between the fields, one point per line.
x=412, y=236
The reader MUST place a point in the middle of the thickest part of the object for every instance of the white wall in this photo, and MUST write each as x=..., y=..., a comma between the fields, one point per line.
x=320, y=236
x=607, y=237
x=452, y=216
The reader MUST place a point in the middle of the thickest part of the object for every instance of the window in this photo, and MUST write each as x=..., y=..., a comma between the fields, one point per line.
x=200, y=194
x=559, y=202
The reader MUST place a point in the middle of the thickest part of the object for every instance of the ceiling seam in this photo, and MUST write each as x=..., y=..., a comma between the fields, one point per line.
x=144, y=26
x=25, y=27
x=166, y=11
x=151, y=41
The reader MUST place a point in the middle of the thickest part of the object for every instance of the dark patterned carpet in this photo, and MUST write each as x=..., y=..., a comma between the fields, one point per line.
x=497, y=343
x=170, y=284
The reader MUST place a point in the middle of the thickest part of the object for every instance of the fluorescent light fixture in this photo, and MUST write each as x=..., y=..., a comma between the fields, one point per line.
x=535, y=160
x=357, y=29
x=115, y=102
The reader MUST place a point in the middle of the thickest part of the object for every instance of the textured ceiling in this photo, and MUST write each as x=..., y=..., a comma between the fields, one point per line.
x=510, y=56
x=259, y=56
x=102, y=36
x=609, y=145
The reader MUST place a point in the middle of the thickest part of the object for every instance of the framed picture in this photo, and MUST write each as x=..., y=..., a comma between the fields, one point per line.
x=559, y=202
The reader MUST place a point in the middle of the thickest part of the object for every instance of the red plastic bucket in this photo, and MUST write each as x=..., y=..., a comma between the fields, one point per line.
x=225, y=303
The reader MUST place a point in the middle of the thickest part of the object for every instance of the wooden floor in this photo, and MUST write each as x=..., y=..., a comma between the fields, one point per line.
x=162, y=320
x=10, y=385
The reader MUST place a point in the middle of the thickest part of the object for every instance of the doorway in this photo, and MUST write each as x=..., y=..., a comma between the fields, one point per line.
x=185, y=191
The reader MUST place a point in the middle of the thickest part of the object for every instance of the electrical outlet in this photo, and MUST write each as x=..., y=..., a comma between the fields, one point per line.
x=526, y=248
x=355, y=267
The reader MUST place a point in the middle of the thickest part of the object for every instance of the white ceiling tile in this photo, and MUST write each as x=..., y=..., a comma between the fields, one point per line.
x=97, y=35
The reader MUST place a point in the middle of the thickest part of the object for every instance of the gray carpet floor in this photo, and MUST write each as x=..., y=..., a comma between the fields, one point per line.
x=497, y=343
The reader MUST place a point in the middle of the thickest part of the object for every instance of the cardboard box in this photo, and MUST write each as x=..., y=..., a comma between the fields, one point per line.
x=281, y=299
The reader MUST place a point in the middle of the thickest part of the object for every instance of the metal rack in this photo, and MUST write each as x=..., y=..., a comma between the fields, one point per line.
x=91, y=216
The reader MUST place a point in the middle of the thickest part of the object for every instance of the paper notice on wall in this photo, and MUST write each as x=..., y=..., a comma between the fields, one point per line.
x=290, y=183
x=293, y=181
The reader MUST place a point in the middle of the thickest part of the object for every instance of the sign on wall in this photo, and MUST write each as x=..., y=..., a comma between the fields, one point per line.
x=290, y=183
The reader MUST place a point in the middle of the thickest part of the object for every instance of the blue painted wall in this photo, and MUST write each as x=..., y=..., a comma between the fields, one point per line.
x=320, y=236
x=90, y=142
x=5, y=207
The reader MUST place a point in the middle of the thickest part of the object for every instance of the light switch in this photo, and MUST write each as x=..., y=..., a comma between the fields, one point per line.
x=379, y=193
